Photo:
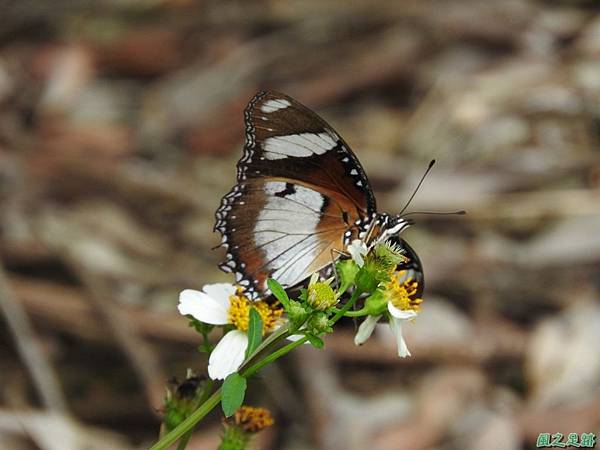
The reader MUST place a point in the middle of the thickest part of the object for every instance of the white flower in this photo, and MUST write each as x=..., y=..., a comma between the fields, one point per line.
x=366, y=328
x=399, y=293
x=396, y=319
x=228, y=355
x=212, y=307
x=222, y=304
x=357, y=250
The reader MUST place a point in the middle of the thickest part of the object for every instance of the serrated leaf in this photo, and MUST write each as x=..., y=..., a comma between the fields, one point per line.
x=255, y=326
x=279, y=292
x=232, y=393
x=315, y=341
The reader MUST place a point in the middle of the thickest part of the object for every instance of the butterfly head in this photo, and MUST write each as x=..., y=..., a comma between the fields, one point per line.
x=383, y=226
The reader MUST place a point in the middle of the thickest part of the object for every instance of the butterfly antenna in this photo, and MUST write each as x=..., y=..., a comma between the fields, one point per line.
x=431, y=163
x=462, y=212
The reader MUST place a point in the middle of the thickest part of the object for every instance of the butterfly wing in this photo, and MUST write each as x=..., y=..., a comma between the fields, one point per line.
x=299, y=190
x=413, y=265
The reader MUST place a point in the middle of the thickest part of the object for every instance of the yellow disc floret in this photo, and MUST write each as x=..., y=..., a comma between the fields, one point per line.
x=321, y=296
x=401, y=291
x=253, y=419
x=239, y=312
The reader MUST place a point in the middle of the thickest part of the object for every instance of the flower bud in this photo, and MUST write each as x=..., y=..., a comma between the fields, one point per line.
x=365, y=280
x=388, y=255
x=179, y=405
x=346, y=270
x=321, y=296
x=375, y=304
x=319, y=324
x=297, y=314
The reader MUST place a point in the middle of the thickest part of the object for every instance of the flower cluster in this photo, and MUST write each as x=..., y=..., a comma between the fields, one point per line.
x=394, y=295
x=378, y=286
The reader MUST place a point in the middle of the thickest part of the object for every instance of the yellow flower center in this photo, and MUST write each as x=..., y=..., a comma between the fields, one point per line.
x=239, y=312
x=321, y=296
x=401, y=291
x=253, y=419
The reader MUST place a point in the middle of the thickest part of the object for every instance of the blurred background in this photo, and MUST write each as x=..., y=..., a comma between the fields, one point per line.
x=120, y=126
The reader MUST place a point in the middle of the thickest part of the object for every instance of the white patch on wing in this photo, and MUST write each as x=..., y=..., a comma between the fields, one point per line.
x=291, y=272
x=285, y=230
x=274, y=105
x=298, y=145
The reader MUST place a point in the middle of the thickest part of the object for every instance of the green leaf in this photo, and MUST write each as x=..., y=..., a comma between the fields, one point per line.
x=255, y=326
x=279, y=292
x=233, y=392
x=315, y=341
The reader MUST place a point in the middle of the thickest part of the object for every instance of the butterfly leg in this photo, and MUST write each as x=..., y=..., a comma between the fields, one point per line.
x=368, y=233
x=334, y=253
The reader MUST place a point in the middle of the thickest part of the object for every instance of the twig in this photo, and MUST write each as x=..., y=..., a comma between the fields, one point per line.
x=42, y=373
x=70, y=310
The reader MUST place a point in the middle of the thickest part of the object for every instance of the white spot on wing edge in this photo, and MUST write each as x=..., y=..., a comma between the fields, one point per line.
x=273, y=105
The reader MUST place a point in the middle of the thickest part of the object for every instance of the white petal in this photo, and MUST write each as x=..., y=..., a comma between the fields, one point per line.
x=357, y=249
x=400, y=313
x=220, y=292
x=228, y=355
x=202, y=307
x=397, y=330
x=365, y=329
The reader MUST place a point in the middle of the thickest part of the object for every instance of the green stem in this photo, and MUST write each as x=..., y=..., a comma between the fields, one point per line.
x=278, y=335
x=291, y=346
x=189, y=423
x=349, y=304
x=185, y=439
x=273, y=356
x=206, y=343
x=359, y=313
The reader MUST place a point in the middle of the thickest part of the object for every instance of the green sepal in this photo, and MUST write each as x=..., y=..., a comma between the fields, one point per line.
x=234, y=438
x=200, y=327
x=297, y=314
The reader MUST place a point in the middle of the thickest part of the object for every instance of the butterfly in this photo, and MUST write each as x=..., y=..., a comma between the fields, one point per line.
x=301, y=196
